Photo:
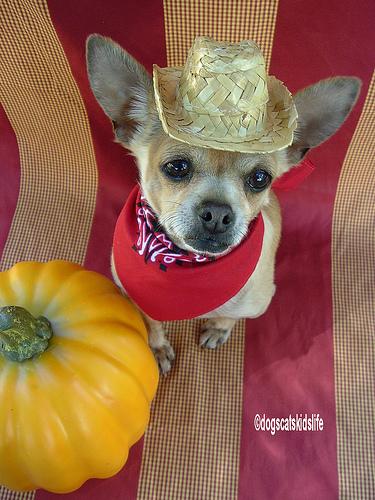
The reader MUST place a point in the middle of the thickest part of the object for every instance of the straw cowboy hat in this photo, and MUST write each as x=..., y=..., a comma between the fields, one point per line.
x=224, y=99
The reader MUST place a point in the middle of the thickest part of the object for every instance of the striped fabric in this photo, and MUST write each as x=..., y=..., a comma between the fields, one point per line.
x=194, y=433
x=73, y=181
x=6, y=494
x=169, y=469
x=46, y=111
x=353, y=288
x=58, y=183
x=186, y=19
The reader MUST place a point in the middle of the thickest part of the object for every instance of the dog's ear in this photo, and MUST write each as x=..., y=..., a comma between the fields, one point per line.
x=122, y=87
x=322, y=109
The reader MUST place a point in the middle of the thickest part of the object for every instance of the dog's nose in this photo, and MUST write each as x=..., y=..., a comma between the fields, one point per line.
x=215, y=217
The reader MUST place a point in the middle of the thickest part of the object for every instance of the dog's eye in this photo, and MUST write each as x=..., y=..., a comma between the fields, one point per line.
x=258, y=180
x=177, y=169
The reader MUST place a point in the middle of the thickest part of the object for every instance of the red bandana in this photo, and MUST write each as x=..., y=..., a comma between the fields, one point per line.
x=169, y=283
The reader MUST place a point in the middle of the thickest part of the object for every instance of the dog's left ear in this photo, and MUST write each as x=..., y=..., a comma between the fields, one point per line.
x=122, y=87
x=322, y=109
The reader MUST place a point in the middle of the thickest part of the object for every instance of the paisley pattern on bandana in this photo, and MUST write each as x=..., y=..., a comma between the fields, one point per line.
x=154, y=245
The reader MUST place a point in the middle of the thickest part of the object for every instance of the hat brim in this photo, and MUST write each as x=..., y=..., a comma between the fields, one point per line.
x=275, y=134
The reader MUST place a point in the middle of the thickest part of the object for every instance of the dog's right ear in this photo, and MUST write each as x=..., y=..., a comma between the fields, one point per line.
x=122, y=87
x=322, y=109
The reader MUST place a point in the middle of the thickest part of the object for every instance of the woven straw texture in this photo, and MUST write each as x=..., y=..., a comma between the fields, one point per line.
x=223, y=99
x=353, y=263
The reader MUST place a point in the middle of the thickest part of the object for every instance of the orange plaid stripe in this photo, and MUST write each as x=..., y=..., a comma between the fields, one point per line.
x=196, y=421
x=6, y=494
x=195, y=425
x=229, y=21
x=58, y=169
x=353, y=261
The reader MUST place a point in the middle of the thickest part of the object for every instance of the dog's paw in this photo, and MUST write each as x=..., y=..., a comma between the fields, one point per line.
x=164, y=356
x=214, y=333
x=213, y=337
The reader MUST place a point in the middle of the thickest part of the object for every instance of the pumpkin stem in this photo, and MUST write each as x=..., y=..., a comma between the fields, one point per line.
x=21, y=335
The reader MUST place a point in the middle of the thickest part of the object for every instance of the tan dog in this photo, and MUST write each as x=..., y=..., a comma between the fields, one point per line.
x=176, y=177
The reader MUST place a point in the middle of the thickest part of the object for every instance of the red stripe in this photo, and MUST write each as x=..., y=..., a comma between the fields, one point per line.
x=138, y=27
x=9, y=176
x=289, y=351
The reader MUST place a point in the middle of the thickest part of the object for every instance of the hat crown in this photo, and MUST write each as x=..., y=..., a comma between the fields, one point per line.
x=223, y=78
x=224, y=99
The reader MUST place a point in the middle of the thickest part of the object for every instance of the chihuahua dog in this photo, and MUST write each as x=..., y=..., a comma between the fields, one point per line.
x=124, y=90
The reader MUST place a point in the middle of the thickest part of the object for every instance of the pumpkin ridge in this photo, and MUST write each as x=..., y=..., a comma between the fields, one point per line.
x=16, y=280
x=106, y=356
x=70, y=326
x=106, y=475
x=45, y=273
x=45, y=404
x=102, y=285
x=11, y=376
x=90, y=471
x=127, y=318
x=88, y=386
x=117, y=428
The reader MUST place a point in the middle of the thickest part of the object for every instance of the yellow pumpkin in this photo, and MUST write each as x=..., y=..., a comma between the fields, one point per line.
x=69, y=412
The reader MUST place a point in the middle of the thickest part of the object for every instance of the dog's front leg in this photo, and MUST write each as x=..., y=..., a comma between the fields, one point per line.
x=215, y=332
x=162, y=349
